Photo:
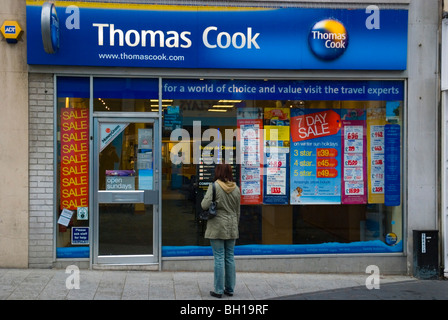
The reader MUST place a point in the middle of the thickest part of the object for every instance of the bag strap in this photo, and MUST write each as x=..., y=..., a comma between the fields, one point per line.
x=214, y=192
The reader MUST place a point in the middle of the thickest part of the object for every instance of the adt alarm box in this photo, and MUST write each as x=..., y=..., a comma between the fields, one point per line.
x=426, y=254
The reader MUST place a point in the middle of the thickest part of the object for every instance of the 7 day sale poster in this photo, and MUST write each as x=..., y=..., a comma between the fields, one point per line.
x=315, y=156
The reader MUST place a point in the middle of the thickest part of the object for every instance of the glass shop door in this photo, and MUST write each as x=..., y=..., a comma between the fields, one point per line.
x=126, y=191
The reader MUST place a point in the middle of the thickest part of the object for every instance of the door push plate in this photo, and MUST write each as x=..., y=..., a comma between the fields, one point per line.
x=135, y=196
x=120, y=196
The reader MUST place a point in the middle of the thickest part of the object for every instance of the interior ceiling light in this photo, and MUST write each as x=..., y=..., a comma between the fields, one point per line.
x=104, y=103
x=229, y=101
x=223, y=106
x=163, y=100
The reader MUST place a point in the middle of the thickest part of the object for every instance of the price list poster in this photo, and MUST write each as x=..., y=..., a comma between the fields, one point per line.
x=276, y=156
x=315, y=157
x=376, y=120
x=251, y=150
x=74, y=158
x=354, y=148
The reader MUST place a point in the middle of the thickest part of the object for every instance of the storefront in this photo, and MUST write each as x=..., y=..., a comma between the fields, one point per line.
x=311, y=113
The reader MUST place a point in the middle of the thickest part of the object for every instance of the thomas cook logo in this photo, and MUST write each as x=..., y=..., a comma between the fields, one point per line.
x=50, y=28
x=328, y=39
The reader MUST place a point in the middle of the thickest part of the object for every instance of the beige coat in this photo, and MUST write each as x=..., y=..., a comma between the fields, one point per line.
x=225, y=225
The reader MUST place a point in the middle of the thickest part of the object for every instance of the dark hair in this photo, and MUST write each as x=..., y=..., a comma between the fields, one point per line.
x=223, y=172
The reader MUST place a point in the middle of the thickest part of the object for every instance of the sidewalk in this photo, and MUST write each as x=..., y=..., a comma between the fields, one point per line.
x=44, y=284
x=401, y=290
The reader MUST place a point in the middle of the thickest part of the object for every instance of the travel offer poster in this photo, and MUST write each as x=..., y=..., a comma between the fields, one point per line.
x=315, y=156
x=276, y=155
x=376, y=120
x=392, y=154
x=251, y=148
x=392, y=161
x=354, y=149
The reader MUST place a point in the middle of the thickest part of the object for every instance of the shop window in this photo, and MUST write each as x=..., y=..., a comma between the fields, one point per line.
x=318, y=163
x=72, y=231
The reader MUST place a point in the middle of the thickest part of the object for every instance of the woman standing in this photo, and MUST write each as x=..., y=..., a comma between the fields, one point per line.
x=223, y=229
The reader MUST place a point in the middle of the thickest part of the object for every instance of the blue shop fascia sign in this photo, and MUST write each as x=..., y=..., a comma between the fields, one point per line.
x=125, y=35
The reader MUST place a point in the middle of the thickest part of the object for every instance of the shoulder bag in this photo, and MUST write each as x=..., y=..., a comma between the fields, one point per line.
x=211, y=212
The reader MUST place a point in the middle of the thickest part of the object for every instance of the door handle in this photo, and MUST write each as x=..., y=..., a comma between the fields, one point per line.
x=121, y=196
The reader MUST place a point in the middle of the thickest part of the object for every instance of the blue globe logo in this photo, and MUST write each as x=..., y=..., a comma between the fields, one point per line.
x=328, y=39
x=391, y=239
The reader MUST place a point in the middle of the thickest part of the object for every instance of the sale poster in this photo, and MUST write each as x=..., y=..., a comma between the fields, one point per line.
x=74, y=158
x=354, y=172
x=315, y=176
x=251, y=150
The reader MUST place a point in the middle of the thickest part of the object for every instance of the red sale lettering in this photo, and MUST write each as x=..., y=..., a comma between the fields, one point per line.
x=70, y=114
x=377, y=189
x=377, y=134
x=274, y=163
x=74, y=158
x=315, y=125
x=276, y=190
x=351, y=162
x=377, y=162
x=353, y=135
x=377, y=148
x=276, y=113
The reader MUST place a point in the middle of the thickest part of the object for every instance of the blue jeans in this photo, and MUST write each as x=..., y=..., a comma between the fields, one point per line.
x=224, y=271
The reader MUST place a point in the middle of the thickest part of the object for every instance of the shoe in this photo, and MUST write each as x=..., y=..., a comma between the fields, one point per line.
x=216, y=295
x=230, y=294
